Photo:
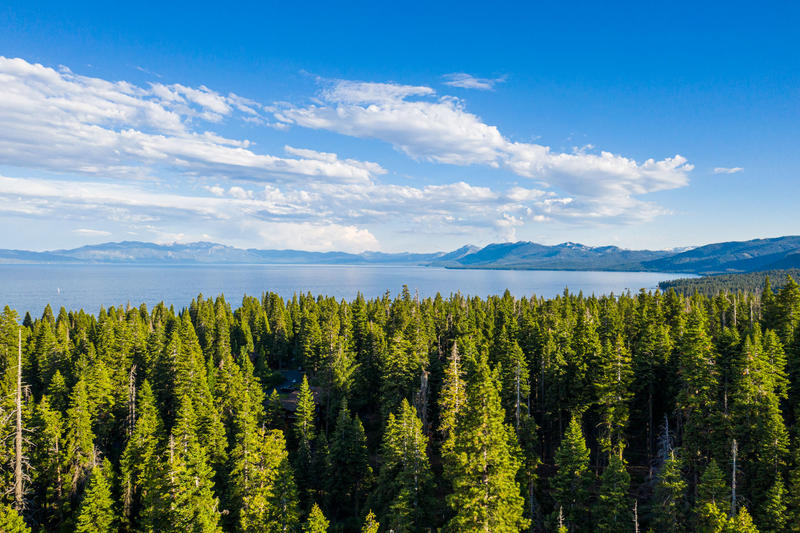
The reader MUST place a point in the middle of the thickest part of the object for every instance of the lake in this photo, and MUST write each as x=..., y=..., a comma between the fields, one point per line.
x=31, y=287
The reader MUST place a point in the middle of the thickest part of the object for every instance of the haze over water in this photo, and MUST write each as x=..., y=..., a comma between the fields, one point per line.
x=87, y=287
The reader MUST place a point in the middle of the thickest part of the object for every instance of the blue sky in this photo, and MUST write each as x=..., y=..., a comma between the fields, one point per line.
x=398, y=126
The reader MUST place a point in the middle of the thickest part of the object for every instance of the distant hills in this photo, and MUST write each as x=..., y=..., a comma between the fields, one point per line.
x=566, y=256
x=726, y=257
x=137, y=252
x=731, y=257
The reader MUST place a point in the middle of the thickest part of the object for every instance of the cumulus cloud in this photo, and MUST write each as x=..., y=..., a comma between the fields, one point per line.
x=727, y=170
x=57, y=120
x=145, y=159
x=264, y=213
x=468, y=81
x=311, y=236
x=439, y=129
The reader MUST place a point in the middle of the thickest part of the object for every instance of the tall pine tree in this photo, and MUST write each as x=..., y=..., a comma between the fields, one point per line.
x=405, y=478
x=571, y=483
x=97, y=513
x=486, y=495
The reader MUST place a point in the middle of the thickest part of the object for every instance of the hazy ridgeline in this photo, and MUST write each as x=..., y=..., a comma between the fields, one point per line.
x=501, y=414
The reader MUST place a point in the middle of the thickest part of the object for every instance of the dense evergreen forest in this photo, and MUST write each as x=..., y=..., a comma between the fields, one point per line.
x=744, y=282
x=614, y=414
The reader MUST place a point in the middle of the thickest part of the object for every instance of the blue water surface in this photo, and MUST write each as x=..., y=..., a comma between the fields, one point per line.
x=88, y=287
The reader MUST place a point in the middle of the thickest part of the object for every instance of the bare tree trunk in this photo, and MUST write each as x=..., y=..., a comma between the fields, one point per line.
x=18, y=478
x=131, y=400
x=422, y=401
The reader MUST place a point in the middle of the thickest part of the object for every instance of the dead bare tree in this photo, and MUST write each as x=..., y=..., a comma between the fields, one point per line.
x=20, y=461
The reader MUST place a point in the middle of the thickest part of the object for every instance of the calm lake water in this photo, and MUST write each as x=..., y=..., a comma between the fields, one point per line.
x=31, y=287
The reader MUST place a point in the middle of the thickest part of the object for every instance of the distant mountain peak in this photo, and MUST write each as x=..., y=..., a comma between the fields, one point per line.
x=576, y=245
x=736, y=256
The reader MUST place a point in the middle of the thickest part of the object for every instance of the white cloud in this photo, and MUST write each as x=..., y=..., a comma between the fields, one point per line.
x=349, y=210
x=508, y=226
x=239, y=193
x=468, y=81
x=92, y=232
x=353, y=92
x=727, y=170
x=110, y=132
x=57, y=120
x=270, y=220
x=439, y=129
x=311, y=236
x=372, y=169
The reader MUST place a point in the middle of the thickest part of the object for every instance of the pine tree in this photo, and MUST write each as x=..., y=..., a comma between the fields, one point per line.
x=264, y=483
x=742, y=523
x=793, y=494
x=399, y=372
x=652, y=377
x=712, y=487
x=350, y=473
x=102, y=403
x=788, y=310
x=11, y=521
x=613, y=392
x=699, y=388
x=189, y=501
x=79, y=452
x=190, y=382
x=774, y=519
x=486, y=495
x=309, y=338
x=305, y=433
x=769, y=309
x=58, y=392
x=668, y=505
x=96, y=513
x=321, y=468
x=13, y=462
x=570, y=485
x=405, y=477
x=274, y=418
x=371, y=524
x=584, y=355
x=713, y=494
x=614, y=508
x=262, y=496
x=515, y=378
x=758, y=425
x=714, y=520
x=140, y=464
x=452, y=400
x=48, y=450
x=316, y=523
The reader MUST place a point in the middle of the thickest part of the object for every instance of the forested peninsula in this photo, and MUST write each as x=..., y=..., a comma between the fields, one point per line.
x=743, y=282
x=635, y=412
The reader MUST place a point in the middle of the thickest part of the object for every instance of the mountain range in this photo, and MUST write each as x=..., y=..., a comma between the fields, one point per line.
x=739, y=256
